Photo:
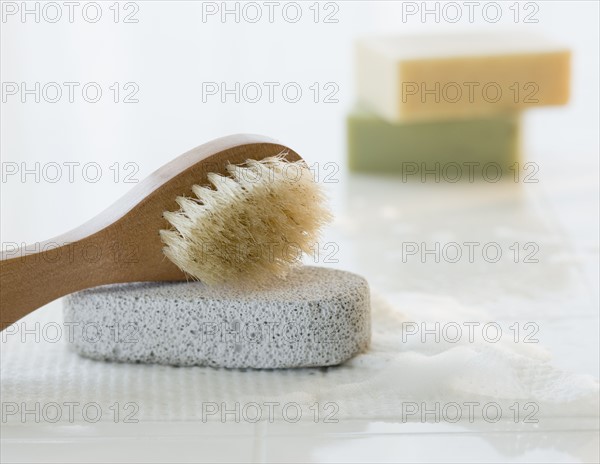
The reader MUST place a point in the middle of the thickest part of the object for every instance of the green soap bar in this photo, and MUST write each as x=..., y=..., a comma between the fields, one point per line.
x=456, y=149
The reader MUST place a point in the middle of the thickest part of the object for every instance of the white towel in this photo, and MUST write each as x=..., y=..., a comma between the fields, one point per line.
x=400, y=378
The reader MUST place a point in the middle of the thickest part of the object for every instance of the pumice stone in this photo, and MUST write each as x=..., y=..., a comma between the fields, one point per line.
x=316, y=317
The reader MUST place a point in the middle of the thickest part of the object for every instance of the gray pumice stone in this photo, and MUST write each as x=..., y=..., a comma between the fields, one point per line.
x=316, y=317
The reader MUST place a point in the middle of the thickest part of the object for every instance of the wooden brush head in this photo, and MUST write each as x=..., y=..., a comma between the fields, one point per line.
x=249, y=227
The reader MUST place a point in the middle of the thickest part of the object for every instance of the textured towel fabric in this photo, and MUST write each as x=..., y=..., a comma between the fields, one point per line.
x=396, y=375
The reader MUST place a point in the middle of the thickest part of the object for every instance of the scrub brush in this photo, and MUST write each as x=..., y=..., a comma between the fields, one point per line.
x=239, y=210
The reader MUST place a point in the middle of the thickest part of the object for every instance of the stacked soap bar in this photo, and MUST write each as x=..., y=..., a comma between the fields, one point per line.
x=455, y=149
x=448, y=98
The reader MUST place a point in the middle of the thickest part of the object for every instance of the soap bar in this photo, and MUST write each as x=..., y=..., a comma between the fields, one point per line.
x=316, y=317
x=438, y=150
x=412, y=77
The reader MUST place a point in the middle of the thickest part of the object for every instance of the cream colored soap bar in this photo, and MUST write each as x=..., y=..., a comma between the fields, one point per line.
x=403, y=78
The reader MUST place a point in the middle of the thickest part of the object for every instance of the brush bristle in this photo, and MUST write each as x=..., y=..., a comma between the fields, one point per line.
x=251, y=227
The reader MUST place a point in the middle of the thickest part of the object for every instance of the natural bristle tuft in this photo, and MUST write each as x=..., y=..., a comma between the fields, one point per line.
x=251, y=226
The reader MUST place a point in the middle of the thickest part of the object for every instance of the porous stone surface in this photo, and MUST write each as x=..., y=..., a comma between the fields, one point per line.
x=317, y=317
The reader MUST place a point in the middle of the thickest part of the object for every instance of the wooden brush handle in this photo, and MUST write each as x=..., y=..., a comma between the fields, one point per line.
x=122, y=244
x=30, y=280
